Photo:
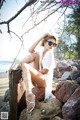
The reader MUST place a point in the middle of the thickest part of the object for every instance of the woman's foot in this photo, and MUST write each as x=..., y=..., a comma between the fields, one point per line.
x=30, y=99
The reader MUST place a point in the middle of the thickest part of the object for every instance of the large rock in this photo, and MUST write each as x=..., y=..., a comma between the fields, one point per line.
x=71, y=109
x=78, y=67
x=56, y=118
x=38, y=92
x=65, y=89
x=56, y=73
x=63, y=65
x=44, y=110
x=75, y=74
x=65, y=75
x=78, y=80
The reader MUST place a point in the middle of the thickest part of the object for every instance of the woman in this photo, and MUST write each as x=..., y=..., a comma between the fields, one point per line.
x=42, y=72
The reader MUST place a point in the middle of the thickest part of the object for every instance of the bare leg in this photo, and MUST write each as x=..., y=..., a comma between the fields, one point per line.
x=27, y=78
x=36, y=76
x=28, y=73
x=33, y=57
x=30, y=97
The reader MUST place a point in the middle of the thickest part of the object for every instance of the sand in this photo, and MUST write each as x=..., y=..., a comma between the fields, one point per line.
x=4, y=85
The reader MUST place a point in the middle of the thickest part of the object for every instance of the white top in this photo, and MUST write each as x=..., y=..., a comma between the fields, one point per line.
x=47, y=62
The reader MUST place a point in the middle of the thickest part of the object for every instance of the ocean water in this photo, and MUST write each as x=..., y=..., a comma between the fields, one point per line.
x=5, y=66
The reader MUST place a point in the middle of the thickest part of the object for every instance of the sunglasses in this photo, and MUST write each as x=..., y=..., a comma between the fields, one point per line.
x=50, y=43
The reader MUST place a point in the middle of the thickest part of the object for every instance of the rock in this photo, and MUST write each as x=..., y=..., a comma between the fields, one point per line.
x=61, y=67
x=65, y=89
x=66, y=65
x=71, y=109
x=62, y=64
x=78, y=80
x=78, y=67
x=56, y=73
x=5, y=108
x=65, y=75
x=56, y=118
x=75, y=74
x=44, y=110
x=38, y=92
x=74, y=68
x=6, y=96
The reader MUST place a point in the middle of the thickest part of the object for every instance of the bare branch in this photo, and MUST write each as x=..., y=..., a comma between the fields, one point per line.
x=17, y=36
x=1, y=3
x=22, y=45
x=41, y=20
x=0, y=31
x=34, y=12
x=26, y=5
x=16, y=56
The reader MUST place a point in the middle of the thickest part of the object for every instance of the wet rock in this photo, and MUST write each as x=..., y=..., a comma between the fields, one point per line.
x=71, y=109
x=44, y=110
x=65, y=89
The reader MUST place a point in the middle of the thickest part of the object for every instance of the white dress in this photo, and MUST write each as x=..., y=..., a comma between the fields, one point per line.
x=47, y=62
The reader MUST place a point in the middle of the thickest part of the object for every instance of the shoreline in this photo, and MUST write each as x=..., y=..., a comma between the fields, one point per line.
x=3, y=75
x=4, y=85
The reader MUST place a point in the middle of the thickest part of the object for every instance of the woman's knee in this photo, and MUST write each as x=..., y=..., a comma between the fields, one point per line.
x=36, y=55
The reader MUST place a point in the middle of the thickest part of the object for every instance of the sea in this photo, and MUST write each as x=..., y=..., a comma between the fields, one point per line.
x=5, y=66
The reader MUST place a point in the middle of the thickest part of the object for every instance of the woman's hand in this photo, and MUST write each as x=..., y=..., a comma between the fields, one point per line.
x=45, y=36
x=44, y=71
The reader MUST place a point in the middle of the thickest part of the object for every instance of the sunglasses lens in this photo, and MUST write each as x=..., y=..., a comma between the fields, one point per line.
x=54, y=44
x=51, y=43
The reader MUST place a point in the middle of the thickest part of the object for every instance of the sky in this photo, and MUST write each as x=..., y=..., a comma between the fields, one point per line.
x=10, y=44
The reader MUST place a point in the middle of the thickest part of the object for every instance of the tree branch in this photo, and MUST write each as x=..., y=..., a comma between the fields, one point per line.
x=26, y=5
x=41, y=20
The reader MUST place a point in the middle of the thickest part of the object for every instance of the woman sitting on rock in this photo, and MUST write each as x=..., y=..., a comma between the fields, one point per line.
x=41, y=74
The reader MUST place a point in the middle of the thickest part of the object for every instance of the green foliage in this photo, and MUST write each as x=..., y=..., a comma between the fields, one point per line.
x=73, y=28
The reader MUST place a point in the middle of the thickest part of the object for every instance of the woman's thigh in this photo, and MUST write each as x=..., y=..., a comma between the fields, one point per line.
x=36, y=76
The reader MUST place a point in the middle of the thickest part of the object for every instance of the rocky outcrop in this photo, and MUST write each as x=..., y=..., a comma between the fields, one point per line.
x=50, y=109
x=71, y=109
x=67, y=70
x=65, y=89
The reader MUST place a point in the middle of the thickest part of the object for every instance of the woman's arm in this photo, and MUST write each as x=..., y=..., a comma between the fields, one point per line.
x=31, y=49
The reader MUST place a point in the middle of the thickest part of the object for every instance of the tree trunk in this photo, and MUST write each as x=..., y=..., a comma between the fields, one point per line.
x=15, y=107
